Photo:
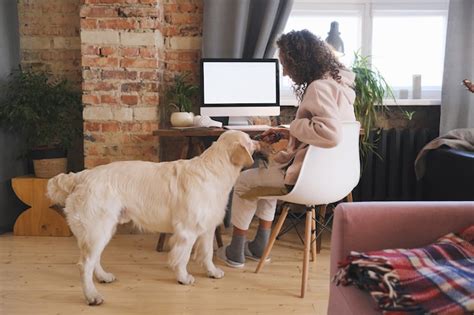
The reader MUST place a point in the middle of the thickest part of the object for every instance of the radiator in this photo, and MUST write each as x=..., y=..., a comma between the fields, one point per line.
x=388, y=174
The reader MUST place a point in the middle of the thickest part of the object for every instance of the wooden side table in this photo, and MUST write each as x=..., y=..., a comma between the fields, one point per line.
x=40, y=219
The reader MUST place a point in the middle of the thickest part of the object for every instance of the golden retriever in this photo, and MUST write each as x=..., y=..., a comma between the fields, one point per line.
x=185, y=197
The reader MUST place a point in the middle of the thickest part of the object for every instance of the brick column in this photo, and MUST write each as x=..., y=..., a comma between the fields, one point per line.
x=122, y=65
x=49, y=37
x=183, y=30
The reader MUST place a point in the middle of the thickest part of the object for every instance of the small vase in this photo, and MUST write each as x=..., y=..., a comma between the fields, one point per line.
x=181, y=119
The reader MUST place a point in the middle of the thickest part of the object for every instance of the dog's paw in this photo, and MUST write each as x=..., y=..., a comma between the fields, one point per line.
x=216, y=273
x=106, y=277
x=186, y=280
x=94, y=300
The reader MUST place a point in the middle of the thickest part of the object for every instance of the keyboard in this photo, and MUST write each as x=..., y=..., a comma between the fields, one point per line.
x=248, y=127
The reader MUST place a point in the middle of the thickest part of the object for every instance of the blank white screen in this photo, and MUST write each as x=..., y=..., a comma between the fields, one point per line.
x=239, y=82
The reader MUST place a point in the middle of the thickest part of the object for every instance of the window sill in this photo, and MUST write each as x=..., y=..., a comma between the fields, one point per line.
x=412, y=102
x=387, y=102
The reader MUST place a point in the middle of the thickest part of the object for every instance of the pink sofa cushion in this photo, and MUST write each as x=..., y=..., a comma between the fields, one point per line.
x=368, y=226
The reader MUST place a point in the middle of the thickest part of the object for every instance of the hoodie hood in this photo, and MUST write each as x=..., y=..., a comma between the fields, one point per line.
x=347, y=77
x=347, y=82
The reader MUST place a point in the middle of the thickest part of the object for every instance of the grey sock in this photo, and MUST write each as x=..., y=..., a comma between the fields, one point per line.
x=235, y=251
x=257, y=246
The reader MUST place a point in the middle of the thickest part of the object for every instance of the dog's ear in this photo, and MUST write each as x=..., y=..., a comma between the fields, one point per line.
x=241, y=156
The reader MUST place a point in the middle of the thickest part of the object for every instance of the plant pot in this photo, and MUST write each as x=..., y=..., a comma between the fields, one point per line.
x=181, y=119
x=48, y=168
x=49, y=162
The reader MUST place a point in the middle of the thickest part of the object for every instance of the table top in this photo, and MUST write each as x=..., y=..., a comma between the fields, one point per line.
x=203, y=132
x=197, y=132
x=28, y=177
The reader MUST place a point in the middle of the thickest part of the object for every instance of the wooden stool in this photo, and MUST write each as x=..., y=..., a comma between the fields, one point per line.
x=40, y=219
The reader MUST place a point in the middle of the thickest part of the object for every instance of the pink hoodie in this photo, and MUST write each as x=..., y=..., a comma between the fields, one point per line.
x=325, y=105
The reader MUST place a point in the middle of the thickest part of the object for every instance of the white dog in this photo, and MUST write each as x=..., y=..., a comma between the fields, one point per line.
x=185, y=197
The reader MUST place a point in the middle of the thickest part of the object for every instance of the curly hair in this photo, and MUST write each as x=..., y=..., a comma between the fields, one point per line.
x=307, y=58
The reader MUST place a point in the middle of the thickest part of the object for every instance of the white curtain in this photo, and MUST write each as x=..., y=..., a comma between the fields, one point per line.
x=457, y=104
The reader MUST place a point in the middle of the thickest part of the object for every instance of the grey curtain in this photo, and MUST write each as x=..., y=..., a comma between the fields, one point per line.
x=457, y=104
x=243, y=28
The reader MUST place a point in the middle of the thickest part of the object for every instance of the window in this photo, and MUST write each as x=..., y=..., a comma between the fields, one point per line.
x=410, y=43
x=402, y=38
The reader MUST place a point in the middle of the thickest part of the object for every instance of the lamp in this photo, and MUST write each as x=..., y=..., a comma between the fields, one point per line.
x=335, y=40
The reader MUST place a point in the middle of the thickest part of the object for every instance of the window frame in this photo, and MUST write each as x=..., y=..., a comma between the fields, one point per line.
x=365, y=9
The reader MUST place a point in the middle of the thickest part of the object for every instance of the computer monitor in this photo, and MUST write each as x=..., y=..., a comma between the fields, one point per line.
x=239, y=88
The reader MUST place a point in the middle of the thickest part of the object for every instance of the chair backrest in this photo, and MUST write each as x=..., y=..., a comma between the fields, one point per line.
x=328, y=175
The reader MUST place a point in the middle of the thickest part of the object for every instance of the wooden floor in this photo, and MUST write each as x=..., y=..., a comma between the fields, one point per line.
x=38, y=275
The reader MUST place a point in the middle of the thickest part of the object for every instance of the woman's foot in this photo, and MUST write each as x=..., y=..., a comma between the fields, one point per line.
x=256, y=247
x=250, y=255
x=221, y=254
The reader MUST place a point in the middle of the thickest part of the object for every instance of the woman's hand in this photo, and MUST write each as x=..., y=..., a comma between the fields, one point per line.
x=275, y=134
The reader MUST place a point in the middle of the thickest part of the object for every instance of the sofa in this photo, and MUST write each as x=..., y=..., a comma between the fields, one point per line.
x=368, y=226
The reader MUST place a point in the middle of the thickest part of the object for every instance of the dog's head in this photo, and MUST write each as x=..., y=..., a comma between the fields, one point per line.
x=239, y=147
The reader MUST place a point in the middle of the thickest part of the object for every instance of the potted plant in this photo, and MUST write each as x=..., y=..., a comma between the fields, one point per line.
x=371, y=90
x=47, y=113
x=179, y=96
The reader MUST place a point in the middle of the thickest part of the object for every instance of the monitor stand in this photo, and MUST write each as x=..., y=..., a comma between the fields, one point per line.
x=242, y=123
x=238, y=121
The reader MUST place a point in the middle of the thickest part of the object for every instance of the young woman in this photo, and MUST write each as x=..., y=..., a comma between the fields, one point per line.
x=323, y=87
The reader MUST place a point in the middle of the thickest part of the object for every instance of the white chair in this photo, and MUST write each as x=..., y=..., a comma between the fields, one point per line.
x=326, y=176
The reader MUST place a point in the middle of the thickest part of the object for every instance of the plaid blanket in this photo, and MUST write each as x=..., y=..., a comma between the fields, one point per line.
x=436, y=279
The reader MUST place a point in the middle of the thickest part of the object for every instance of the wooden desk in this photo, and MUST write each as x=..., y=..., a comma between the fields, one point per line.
x=198, y=132
x=196, y=137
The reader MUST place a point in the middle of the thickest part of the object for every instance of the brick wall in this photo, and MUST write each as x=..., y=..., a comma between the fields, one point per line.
x=124, y=52
x=182, y=28
x=130, y=50
x=49, y=41
x=122, y=66
x=49, y=37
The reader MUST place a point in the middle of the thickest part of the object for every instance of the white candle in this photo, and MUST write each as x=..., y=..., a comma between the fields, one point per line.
x=416, y=86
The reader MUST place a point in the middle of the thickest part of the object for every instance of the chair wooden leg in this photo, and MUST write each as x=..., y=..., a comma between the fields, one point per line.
x=322, y=219
x=219, y=236
x=161, y=242
x=349, y=197
x=273, y=237
x=307, y=245
x=313, y=235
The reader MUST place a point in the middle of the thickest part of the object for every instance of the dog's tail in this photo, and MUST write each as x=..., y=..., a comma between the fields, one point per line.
x=60, y=186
